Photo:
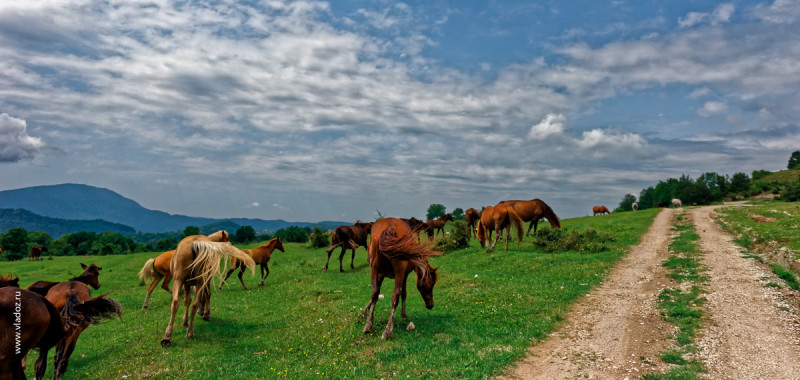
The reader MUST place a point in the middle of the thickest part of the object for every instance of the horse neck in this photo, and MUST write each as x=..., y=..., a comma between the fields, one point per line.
x=84, y=278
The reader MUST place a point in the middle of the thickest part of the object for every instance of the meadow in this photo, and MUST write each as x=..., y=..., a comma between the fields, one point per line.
x=305, y=323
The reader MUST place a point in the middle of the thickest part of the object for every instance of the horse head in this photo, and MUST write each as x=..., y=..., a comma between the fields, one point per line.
x=90, y=275
x=426, y=280
x=220, y=236
x=279, y=245
x=8, y=281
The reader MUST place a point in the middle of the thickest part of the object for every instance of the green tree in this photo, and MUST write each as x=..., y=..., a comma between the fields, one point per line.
x=40, y=238
x=293, y=234
x=435, y=210
x=167, y=244
x=740, y=183
x=458, y=214
x=794, y=160
x=14, y=243
x=319, y=238
x=647, y=198
x=191, y=230
x=758, y=174
x=627, y=202
x=245, y=234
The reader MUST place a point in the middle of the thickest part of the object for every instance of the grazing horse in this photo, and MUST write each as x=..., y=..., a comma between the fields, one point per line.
x=661, y=204
x=90, y=276
x=438, y=224
x=600, y=210
x=195, y=262
x=261, y=256
x=36, y=253
x=417, y=226
x=635, y=206
x=155, y=270
x=472, y=216
x=499, y=217
x=532, y=211
x=394, y=253
x=348, y=237
x=40, y=326
x=676, y=203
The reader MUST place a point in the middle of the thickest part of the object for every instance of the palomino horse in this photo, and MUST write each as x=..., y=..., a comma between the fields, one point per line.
x=261, y=256
x=533, y=211
x=78, y=311
x=155, y=270
x=438, y=224
x=348, y=237
x=36, y=252
x=394, y=253
x=472, y=216
x=90, y=276
x=40, y=326
x=195, y=262
x=600, y=210
x=502, y=217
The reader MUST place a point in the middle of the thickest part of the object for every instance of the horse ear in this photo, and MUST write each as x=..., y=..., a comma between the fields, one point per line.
x=99, y=268
x=83, y=265
x=435, y=268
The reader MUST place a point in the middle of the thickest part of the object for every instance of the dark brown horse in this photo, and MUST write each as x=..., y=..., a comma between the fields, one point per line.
x=532, y=211
x=394, y=253
x=502, y=217
x=261, y=256
x=195, y=263
x=27, y=320
x=600, y=210
x=438, y=224
x=90, y=276
x=155, y=270
x=36, y=253
x=78, y=311
x=348, y=237
x=472, y=217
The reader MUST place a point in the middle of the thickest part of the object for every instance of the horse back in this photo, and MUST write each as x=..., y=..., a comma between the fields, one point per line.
x=161, y=265
x=41, y=287
x=57, y=295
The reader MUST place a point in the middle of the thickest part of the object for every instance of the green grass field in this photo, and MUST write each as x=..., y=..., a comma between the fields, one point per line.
x=490, y=306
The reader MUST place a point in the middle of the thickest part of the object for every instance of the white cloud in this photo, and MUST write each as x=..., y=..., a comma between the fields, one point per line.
x=254, y=205
x=721, y=14
x=692, y=19
x=712, y=108
x=611, y=138
x=15, y=143
x=779, y=12
x=699, y=92
x=551, y=125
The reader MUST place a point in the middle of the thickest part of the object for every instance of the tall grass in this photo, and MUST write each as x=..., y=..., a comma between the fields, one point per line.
x=490, y=306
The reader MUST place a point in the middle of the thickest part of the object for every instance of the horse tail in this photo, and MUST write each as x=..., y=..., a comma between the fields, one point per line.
x=551, y=216
x=406, y=247
x=148, y=271
x=93, y=311
x=517, y=222
x=208, y=255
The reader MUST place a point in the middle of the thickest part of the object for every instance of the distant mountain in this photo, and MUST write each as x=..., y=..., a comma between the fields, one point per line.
x=83, y=202
x=12, y=218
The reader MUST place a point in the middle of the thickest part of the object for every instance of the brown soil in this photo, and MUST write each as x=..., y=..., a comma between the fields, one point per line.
x=616, y=332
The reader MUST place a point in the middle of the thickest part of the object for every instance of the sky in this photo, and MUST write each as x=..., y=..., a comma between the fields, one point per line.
x=311, y=110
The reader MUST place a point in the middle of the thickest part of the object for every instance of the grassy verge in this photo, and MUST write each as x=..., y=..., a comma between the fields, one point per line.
x=490, y=306
x=682, y=306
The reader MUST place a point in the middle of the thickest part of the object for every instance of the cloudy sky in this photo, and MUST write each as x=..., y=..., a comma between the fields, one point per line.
x=311, y=111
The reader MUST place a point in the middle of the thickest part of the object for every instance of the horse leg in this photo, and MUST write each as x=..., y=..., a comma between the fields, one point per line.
x=341, y=258
x=403, y=299
x=241, y=273
x=226, y=277
x=187, y=303
x=150, y=291
x=398, y=289
x=329, y=251
x=176, y=290
x=353, y=258
x=205, y=306
x=198, y=298
x=264, y=273
x=62, y=358
x=41, y=364
x=165, y=283
x=508, y=233
x=377, y=280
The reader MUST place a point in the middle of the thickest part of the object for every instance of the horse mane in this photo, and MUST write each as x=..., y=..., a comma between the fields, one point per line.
x=220, y=235
x=9, y=280
x=207, y=259
x=551, y=216
x=405, y=247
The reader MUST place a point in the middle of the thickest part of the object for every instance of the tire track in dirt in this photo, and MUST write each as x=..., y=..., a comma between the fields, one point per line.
x=608, y=332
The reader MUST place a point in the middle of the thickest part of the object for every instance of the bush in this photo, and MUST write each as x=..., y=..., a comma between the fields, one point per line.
x=457, y=239
x=791, y=192
x=562, y=240
x=319, y=238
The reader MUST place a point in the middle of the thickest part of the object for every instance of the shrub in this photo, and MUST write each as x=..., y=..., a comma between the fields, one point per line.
x=791, y=192
x=457, y=239
x=562, y=240
x=319, y=238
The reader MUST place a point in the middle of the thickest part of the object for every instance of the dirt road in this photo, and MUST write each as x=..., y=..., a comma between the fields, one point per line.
x=616, y=332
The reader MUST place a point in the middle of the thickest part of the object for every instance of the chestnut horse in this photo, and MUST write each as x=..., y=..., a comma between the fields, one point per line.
x=155, y=270
x=600, y=210
x=78, y=311
x=195, y=262
x=394, y=253
x=472, y=216
x=348, y=237
x=36, y=253
x=90, y=276
x=532, y=211
x=498, y=218
x=438, y=224
x=261, y=256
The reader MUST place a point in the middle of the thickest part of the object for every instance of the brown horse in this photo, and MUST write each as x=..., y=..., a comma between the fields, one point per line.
x=485, y=225
x=438, y=224
x=40, y=326
x=90, y=276
x=348, y=237
x=394, y=253
x=600, y=210
x=195, y=262
x=502, y=217
x=155, y=270
x=78, y=311
x=532, y=211
x=472, y=217
x=36, y=253
x=261, y=256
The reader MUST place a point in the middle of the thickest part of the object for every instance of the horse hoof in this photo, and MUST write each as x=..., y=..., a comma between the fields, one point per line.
x=325, y=269
x=166, y=343
x=145, y=307
x=387, y=335
x=207, y=317
x=367, y=329
x=260, y=284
